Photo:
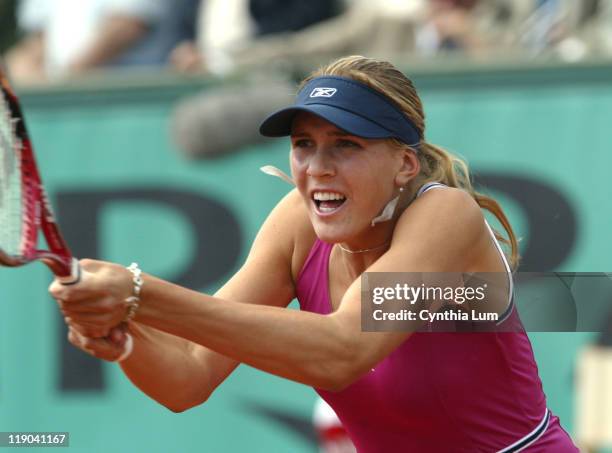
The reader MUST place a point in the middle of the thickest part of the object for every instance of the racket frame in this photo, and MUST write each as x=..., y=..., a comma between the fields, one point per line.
x=37, y=214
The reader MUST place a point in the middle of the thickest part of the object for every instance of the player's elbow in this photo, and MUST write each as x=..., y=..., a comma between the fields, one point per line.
x=343, y=378
x=181, y=406
x=337, y=385
x=177, y=409
x=184, y=404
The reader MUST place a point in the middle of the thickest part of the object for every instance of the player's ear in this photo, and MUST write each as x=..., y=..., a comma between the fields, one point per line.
x=409, y=167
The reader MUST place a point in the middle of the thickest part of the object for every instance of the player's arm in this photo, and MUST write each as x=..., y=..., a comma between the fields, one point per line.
x=181, y=374
x=442, y=231
x=330, y=351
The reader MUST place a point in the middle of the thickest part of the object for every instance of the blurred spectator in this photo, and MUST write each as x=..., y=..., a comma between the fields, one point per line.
x=229, y=27
x=377, y=28
x=549, y=24
x=274, y=16
x=246, y=33
x=74, y=36
x=604, y=27
x=561, y=28
x=595, y=31
x=8, y=23
x=450, y=25
x=524, y=27
x=565, y=29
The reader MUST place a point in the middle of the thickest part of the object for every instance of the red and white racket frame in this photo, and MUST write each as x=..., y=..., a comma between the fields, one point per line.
x=37, y=214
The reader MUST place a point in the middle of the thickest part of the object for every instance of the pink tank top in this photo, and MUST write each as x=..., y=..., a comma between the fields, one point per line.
x=441, y=392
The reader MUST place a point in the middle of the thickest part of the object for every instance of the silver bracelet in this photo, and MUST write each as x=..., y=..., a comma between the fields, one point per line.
x=133, y=302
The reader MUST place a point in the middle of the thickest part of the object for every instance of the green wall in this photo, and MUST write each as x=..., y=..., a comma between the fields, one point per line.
x=548, y=124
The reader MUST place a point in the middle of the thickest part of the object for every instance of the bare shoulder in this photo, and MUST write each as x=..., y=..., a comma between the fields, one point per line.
x=445, y=228
x=446, y=205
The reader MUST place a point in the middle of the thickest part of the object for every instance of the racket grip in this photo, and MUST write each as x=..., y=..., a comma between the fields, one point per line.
x=75, y=274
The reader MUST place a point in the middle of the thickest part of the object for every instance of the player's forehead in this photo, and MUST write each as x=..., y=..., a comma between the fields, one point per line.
x=306, y=123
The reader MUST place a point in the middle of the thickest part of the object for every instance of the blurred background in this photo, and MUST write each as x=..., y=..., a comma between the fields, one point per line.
x=144, y=115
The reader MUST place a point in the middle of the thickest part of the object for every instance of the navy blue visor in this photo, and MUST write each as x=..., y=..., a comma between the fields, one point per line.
x=351, y=106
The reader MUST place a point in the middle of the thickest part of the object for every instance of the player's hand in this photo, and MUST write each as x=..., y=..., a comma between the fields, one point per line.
x=96, y=304
x=111, y=348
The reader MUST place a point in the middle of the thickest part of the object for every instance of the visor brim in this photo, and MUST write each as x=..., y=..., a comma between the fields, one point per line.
x=279, y=124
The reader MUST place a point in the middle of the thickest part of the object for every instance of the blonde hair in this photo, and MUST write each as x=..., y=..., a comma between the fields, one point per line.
x=437, y=164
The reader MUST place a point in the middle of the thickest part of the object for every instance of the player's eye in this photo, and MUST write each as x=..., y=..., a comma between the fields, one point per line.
x=302, y=143
x=346, y=143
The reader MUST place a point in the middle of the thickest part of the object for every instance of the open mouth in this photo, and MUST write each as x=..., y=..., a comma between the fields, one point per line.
x=327, y=202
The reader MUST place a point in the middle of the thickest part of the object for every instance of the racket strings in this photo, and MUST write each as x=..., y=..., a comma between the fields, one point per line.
x=11, y=199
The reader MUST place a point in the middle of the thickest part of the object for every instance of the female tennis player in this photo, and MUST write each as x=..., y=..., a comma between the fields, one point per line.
x=371, y=195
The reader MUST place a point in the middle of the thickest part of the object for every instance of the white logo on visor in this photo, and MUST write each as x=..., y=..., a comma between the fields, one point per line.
x=323, y=92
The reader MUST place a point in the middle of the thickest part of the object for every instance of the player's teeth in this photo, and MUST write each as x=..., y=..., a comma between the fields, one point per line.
x=327, y=209
x=325, y=196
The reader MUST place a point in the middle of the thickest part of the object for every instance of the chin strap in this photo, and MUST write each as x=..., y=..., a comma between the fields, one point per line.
x=385, y=215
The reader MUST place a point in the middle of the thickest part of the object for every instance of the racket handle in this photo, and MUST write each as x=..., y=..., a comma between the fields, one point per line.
x=75, y=274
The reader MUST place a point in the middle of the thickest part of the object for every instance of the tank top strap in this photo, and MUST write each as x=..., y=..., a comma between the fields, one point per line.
x=429, y=185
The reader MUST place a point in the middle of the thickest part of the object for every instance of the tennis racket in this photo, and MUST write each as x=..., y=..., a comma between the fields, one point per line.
x=24, y=206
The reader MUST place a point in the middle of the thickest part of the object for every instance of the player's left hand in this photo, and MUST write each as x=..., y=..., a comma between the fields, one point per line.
x=112, y=348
